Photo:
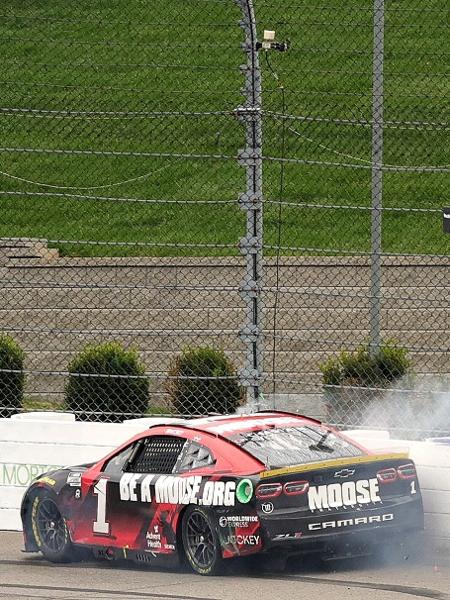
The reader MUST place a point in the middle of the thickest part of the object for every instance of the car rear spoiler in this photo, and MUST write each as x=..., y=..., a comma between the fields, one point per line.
x=337, y=462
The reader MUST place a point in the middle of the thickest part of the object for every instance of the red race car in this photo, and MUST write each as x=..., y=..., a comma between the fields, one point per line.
x=210, y=489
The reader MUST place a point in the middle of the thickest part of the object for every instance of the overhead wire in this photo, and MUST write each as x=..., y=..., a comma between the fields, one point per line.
x=97, y=187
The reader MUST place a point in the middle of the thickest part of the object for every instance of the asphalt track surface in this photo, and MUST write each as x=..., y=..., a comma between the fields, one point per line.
x=26, y=576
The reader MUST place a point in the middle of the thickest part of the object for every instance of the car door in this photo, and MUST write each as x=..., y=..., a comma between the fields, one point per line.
x=90, y=523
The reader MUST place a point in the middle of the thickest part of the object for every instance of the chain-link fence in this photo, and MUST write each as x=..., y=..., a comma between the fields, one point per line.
x=119, y=187
x=357, y=174
x=138, y=140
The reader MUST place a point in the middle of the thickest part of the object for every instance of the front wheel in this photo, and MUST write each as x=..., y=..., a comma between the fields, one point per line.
x=201, y=542
x=50, y=530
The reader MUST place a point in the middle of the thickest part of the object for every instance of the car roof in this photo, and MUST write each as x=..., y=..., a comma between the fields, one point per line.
x=229, y=425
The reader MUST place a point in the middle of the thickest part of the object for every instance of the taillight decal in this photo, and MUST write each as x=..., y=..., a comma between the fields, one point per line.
x=387, y=475
x=268, y=490
x=406, y=471
x=296, y=488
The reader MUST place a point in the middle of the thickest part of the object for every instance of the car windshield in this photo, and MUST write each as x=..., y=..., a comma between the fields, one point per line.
x=284, y=447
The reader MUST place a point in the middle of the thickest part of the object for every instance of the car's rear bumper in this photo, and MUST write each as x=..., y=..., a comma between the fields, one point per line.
x=345, y=545
x=320, y=530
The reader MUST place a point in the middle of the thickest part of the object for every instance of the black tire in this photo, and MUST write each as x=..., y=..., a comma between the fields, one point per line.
x=201, y=543
x=50, y=529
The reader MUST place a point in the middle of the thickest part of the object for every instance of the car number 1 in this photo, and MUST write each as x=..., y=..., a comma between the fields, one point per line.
x=101, y=526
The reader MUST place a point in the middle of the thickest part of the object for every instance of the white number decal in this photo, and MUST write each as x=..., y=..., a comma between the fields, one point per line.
x=100, y=525
x=413, y=487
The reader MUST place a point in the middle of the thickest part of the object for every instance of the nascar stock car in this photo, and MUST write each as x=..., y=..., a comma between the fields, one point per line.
x=214, y=488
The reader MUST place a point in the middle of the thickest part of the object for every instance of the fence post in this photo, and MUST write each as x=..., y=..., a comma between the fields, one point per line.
x=377, y=174
x=251, y=246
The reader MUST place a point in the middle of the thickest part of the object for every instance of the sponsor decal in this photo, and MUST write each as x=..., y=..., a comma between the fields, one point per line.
x=128, y=487
x=350, y=493
x=171, y=489
x=239, y=521
x=218, y=493
x=243, y=540
x=48, y=480
x=22, y=475
x=345, y=473
x=244, y=491
x=154, y=538
x=74, y=478
x=77, y=494
x=287, y=536
x=267, y=507
x=170, y=431
x=351, y=522
x=36, y=533
x=243, y=424
x=169, y=546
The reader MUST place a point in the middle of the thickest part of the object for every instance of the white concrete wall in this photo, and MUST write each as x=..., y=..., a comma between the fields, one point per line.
x=433, y=467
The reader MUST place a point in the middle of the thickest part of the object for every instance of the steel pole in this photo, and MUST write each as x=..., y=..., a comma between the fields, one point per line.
x=377, y=175
x=251, y=246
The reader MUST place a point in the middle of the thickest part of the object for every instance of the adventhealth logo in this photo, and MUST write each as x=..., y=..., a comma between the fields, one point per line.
x=349, y=493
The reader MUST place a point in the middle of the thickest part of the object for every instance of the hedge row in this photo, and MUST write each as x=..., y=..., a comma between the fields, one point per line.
x=107, y=382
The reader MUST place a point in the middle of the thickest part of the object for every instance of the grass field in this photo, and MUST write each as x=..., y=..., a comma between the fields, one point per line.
x=83, y=164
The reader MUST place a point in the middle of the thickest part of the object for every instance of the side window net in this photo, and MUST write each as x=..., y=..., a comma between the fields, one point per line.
x=159, y=454
x=195, y=456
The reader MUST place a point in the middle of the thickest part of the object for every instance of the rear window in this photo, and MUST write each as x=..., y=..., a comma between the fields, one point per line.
x=290, y=446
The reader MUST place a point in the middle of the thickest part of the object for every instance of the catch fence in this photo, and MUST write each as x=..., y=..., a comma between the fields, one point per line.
x=171, y=179
x=356, y=140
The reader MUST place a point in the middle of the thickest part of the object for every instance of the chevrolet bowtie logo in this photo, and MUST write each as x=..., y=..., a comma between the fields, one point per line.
x=345, y=473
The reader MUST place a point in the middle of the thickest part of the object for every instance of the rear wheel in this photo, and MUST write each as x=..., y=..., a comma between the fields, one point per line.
x=50, y=529
x=201, y=542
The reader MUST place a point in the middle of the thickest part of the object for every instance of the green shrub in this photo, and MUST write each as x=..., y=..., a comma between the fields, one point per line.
x=354, y=381
x=106, y=398
x=195, y=387
x=361, y=368
x=11, y=384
